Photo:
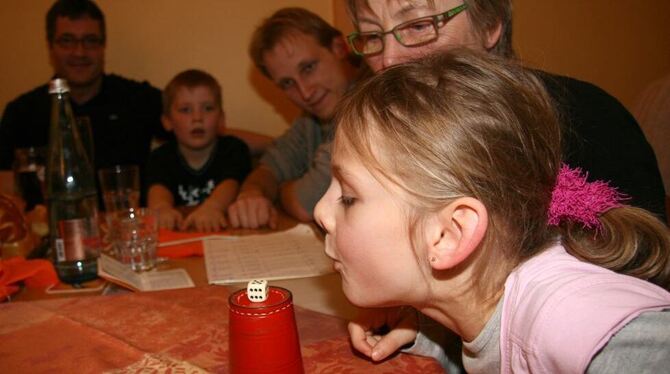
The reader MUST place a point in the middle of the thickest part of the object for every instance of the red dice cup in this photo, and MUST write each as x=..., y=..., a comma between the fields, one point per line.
x=263, y=336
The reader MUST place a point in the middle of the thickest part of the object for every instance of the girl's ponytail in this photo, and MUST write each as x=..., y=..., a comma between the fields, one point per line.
x=629, y=241
x=597, y=228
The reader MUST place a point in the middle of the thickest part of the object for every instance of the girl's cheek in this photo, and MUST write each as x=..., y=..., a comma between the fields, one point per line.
x=344, y=242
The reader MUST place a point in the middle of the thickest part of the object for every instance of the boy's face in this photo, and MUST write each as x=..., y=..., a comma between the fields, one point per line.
x=312, y=76
x=195, y=117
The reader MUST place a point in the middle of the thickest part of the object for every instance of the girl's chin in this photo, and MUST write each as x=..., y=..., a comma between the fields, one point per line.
x=356, y=297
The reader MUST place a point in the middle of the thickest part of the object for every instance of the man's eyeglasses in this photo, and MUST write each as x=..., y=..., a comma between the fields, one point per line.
x=88, y=42
x=410, y=34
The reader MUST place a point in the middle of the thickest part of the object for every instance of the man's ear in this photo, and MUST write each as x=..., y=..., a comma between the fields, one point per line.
x=167, y=122
x=493, y=35
x=339, y=47
x=456, y=232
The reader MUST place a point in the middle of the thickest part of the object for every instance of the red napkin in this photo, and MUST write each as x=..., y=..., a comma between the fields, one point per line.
x=33, y=273
x=180, y=250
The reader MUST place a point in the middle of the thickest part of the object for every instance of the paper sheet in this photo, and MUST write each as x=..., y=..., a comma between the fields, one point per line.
x=114, y=271
x=294, y=253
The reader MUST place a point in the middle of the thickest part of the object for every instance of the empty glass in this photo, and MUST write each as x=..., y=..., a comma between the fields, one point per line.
x=120, y=187
x=134, y=237
x=29, y=169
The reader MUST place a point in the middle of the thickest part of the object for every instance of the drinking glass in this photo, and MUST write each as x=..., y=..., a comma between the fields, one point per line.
x=120, y=187
x=134, y=236
x=29, y=169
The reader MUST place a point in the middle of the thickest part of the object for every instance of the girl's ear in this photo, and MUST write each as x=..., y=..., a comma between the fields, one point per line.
x=456, y=232
x=167, y=122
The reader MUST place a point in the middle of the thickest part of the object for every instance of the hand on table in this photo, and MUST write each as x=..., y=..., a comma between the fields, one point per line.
x=205, y=218
x=400, y=323
x=169, y=218
x=252, y=210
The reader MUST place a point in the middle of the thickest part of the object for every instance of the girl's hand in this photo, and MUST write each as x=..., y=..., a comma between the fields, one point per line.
x=377, y=333
x=169, y=218
x=205, y=218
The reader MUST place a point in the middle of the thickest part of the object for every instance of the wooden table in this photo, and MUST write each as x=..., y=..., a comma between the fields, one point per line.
x=174, y=331
x=322, y=294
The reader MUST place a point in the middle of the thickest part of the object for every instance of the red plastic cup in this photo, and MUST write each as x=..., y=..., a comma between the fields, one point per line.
x=263, y=335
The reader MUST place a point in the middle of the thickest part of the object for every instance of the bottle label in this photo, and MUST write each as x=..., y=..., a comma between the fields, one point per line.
x=60, y=250
x=73, y=237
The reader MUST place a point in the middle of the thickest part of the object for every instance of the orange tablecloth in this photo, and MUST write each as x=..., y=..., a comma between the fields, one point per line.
x=181, y=250
x=169, y=331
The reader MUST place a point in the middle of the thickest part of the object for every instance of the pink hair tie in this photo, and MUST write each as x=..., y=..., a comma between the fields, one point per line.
x=575, y=199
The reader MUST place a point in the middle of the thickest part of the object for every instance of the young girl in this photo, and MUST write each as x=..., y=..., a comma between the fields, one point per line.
x=448, y=195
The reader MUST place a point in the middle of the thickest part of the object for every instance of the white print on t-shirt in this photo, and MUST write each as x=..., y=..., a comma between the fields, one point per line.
x=192, y=195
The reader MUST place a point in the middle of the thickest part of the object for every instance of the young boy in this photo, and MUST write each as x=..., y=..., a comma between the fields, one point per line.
x=199, y=168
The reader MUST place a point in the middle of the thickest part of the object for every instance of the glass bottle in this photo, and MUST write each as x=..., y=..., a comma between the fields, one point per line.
x=71, y=194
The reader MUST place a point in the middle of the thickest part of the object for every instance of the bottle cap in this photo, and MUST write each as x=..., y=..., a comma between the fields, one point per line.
x=58, y=85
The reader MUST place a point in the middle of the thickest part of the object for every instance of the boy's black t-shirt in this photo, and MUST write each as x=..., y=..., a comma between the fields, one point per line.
x=230, y=159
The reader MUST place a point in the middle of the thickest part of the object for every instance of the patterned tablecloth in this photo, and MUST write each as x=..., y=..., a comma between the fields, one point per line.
x=177, y=331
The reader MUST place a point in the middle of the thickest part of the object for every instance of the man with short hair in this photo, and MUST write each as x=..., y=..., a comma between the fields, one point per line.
x=124, y=114
x=309, y=60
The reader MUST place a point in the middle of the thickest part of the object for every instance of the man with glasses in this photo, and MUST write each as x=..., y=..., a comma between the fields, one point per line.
x=124, y=115
x=600, y=136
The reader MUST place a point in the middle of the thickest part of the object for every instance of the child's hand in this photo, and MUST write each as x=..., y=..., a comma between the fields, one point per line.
x=400, y=324
x=169, y=218
x=205, y=218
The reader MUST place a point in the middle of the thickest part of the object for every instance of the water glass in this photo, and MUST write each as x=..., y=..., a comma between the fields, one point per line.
x=29, y=169
x=120, y=187
x=134, y=237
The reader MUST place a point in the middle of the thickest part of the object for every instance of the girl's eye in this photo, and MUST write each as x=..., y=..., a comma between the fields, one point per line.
x=184, y=110
x=347, y=201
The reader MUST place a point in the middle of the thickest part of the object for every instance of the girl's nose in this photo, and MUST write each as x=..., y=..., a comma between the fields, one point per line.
x=323, y=211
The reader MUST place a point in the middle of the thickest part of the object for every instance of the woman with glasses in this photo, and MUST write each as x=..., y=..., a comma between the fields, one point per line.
x=600, y=135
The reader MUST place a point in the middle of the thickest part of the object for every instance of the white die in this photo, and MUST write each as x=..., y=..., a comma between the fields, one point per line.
x=257, y=290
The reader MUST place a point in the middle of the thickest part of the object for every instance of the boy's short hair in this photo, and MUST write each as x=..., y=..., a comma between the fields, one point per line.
x=73, y=9
x=285, y=21
x=190, y=79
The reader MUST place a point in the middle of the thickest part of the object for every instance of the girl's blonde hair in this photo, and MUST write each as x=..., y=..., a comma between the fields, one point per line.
x=474, y=124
